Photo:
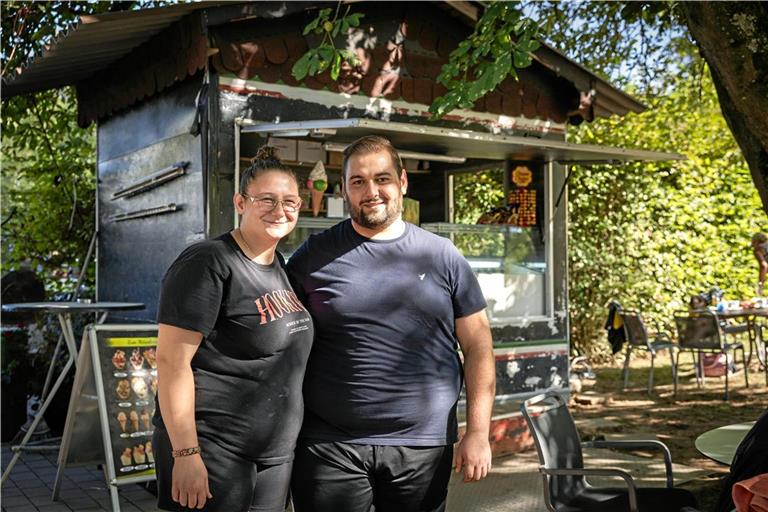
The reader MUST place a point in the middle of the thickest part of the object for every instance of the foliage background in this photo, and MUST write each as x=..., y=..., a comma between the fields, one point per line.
x=652, y=235
x=48, y=187
x=48, y=162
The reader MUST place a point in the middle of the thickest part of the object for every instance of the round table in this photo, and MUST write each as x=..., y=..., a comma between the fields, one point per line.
x=64, y=312
x=720, y=444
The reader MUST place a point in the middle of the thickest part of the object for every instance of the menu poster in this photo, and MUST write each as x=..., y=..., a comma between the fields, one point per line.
x=128, y=365
x=525, y=189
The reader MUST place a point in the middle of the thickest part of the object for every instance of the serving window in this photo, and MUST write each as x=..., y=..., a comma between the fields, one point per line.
x=506, y=239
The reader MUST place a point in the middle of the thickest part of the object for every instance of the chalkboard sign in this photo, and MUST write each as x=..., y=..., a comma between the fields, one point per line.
x=114, y=389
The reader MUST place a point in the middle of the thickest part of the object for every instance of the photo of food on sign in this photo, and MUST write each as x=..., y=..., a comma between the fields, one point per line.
x=122, y=420
x=118, y=360
x=125, y=458
x=134, y=417
x=139, y=386
x=146, y=420
x=151, y=356
x=123, y=389
x=138, y=454
x=137, y=360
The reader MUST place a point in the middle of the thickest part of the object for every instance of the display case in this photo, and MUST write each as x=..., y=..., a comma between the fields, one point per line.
x=304, y=227
x=510, y=264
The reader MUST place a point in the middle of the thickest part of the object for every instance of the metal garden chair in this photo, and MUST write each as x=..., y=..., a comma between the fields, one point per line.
x=638, y=339
x=561, y=465
x=700, y=332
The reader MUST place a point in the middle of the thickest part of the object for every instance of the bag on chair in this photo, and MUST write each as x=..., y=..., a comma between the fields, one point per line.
x=714, y=364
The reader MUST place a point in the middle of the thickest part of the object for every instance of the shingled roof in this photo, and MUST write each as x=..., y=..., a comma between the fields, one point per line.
x=116, y=60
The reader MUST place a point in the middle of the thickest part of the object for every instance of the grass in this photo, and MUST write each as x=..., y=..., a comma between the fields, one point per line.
x=676, y=421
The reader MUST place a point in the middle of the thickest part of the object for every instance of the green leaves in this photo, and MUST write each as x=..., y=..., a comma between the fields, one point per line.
x=48, y=179
x=652, y=234
x=325, y=55
x=503, y=40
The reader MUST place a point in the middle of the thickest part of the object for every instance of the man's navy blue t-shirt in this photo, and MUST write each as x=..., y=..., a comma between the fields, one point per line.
x=384, y=368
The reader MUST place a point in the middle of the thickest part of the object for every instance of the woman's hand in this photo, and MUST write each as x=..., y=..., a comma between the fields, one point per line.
x=190, y=481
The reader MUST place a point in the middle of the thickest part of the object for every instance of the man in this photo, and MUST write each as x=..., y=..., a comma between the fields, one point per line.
x=760, y=250
x=390, y=303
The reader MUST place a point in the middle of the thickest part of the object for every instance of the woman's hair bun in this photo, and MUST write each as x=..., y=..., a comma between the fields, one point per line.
x=265, y=160
x=265, y=154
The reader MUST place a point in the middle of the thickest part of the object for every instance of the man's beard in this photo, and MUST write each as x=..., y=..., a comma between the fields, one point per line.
x=376, y=220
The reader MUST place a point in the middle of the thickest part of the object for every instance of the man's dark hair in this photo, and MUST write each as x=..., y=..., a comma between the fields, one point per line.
x=371, y=144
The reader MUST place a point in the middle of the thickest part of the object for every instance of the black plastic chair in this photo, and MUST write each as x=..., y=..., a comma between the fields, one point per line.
x=561, y=465
x=638, y=339
x=700, y=332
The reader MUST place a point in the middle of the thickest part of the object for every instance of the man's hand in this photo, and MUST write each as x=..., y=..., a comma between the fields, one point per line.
x=474, y=454
x=190, y=482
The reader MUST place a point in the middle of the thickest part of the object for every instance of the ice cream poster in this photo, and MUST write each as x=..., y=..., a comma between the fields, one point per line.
x=521, y=197
x=129, y=375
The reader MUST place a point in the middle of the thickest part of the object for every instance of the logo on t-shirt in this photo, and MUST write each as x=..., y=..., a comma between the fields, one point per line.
x=273, y=305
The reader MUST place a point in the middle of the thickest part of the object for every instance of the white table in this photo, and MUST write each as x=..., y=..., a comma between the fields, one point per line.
x=720, y=444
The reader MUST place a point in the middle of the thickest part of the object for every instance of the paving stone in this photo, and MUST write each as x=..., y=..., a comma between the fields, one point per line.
x=47, y=471
x=38, y=491
x=136, y=493
x=18, y=476
x=81, y=477
x=30, y=458
x=56, y=507
x=13, y=501
x=96, y=488
x=80, y=503
x=22, y=508
x=42, y=499
x=69, y=494
x=9, y=491
x=29, y=484
x=147, y=505
x=129, y=507
x=38, y=464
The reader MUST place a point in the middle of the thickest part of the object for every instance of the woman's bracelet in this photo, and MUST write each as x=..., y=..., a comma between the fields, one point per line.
x=185, y=452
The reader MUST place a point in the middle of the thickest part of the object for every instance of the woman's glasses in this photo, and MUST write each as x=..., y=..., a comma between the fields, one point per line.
x=268, y=203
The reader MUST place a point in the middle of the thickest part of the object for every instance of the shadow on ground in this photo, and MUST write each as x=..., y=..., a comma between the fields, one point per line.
x=602, y=409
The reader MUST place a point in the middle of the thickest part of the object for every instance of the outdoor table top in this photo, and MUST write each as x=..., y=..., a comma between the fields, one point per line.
x=71, y=307
x=719, y=444
x=738, y=313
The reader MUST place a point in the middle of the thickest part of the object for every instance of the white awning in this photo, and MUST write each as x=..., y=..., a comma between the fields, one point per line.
x=456, y=143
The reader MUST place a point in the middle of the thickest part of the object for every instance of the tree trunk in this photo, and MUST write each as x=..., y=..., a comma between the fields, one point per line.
x=733, y=39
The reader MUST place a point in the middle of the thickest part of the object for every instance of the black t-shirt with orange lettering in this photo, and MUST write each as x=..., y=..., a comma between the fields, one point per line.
x=257, y=335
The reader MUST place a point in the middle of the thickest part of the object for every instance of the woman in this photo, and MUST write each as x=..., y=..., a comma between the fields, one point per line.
x=232, y=348
x=760, y=250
